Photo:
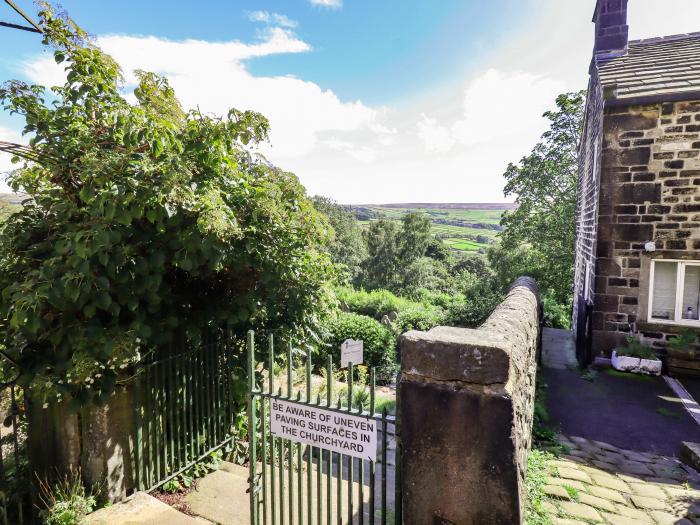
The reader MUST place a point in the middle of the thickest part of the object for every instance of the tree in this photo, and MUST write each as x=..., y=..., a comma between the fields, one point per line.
x=381, y=266
x=544, y=184
x=143, y=223
x=396, y=255
x=415, y=237
x=348, y=246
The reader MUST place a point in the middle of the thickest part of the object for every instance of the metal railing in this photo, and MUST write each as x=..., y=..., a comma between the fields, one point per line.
x=295, y=483
x=15, y=504
x=184, y=409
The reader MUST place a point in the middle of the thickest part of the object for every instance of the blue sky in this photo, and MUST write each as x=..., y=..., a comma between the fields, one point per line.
x=369, y=101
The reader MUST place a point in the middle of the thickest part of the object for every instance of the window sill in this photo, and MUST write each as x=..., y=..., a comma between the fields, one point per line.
x=667, y=326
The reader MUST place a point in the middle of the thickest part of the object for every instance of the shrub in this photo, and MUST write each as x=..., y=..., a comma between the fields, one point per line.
x=635, y=348
x=683, y=341
x=142, y=223
x=480, y=301
x=418, y=319
x=375, y=303
x=379, y=343
x=67, y=502
x=556, y=315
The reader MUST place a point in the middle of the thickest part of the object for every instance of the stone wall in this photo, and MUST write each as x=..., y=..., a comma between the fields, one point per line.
x=97, y=441
x=587, y=197
x=649, y=191
x=467, y=403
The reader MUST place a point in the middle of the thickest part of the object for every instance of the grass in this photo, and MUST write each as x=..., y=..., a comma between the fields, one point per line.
x=588, y=375
x=456, y=236
x=536, y=479
x=572, y=492
x=464, y=245
x=668, y=413
x=626, y=375
x=381, y=402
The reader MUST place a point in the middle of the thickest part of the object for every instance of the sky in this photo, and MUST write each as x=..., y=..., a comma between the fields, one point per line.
x=369, y=101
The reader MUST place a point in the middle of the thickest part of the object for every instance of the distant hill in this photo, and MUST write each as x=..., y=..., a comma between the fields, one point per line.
x=464, y=227
x=443, y=206
x=10, y=203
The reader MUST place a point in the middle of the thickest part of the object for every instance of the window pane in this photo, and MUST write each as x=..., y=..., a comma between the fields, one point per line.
x=691, y=293
x=663, y=302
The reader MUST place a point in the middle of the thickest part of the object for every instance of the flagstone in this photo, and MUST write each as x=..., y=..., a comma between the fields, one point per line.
x=596, y=502
x=664, y=518
x=617, y=519
x=574, y=473
x=610, y=483
x=643, y=502
x=579, y=510
x=608, y=494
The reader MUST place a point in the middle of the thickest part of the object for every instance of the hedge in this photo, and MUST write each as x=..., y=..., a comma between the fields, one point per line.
x=379, y=344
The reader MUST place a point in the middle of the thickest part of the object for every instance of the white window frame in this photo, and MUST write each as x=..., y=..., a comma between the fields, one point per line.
x=680, y=285
x=587, y=281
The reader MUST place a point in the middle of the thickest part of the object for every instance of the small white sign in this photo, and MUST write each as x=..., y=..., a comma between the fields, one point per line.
x=347, y=434
x=351, y=351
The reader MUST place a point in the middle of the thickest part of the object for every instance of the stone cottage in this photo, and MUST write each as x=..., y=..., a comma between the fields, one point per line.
x=638, y=217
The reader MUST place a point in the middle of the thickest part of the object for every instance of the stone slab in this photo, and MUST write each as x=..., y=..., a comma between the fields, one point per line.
x=221, y=497
x=142, y=509
x=690, y=454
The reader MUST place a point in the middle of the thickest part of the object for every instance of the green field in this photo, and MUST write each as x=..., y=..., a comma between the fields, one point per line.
x=463, y=227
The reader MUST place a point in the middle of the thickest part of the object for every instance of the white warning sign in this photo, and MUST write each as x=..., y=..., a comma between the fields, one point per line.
x=351, y=351
x=348, y=434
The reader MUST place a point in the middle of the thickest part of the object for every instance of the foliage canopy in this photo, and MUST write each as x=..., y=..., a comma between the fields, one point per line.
x=544, y=183
x=144, y=223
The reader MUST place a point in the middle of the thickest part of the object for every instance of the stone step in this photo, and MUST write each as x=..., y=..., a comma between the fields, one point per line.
x=221, y=497
x=142, y=509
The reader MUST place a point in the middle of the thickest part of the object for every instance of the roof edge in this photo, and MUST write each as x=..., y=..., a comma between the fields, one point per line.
x=669, y=38
x=651, y=99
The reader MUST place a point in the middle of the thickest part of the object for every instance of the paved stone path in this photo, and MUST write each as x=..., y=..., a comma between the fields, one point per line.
x=594, y=482
x=221, y=498
x=142, y=509
x=558, y=349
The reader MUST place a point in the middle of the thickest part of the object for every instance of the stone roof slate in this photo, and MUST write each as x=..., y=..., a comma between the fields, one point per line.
x=653, y=67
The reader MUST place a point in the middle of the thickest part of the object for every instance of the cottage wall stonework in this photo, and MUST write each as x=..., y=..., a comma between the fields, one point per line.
x=649, y=190
x=587, y=197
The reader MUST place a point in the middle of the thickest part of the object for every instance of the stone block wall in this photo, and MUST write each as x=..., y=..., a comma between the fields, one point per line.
x=96, y=441
x=587, y=197
x=467, y=405
x=649, y=191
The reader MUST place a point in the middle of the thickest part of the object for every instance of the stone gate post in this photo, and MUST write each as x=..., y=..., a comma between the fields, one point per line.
x=466, y=408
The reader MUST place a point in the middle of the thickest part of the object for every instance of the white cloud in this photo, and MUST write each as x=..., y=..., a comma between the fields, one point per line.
x=361, y=153
x=272, y=18
x=436, y=138
x=499, y=106
x=448, y=145
x=214, y=77
x=650, y=18
x=332, y=4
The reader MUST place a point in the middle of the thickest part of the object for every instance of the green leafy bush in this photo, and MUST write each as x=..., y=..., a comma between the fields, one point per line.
x=635, y=348
x=200, y=469
x=373, y=304
x=379, y=343
x=418, y=319
x=555, y=315
x=480, y=301
x=143, y=222
x=683, y=341
x=66, y=502
x=412, y=315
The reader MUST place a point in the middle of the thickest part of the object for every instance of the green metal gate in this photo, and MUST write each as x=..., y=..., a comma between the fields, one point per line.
x=292, y=483
x=184, y=408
